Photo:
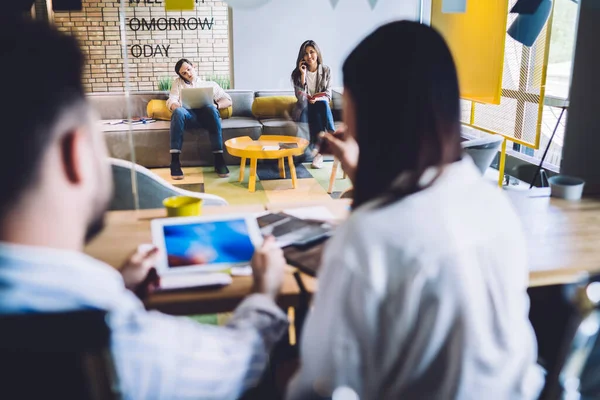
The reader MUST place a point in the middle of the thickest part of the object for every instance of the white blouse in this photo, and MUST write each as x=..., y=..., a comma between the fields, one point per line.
x=311, y=82
x=424, y=299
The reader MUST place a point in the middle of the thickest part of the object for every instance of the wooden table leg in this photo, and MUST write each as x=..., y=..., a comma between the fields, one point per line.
x=292, y=171
x=334, y=169
x=252, y=180
x=242, y=168
x=282, y=168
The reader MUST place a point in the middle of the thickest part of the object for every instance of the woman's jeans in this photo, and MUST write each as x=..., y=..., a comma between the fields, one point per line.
x=319, y=118
x=206, y=117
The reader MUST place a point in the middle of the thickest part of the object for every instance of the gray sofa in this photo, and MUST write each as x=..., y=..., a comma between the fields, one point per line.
x=152, y=142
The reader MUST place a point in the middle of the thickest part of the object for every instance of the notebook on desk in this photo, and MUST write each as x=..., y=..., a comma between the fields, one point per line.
x=302, y=238
x=306, y=258
x=290, y=230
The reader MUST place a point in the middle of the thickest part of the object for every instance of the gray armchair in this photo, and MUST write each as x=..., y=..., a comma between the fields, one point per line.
x=152, y=189
x=483, y=150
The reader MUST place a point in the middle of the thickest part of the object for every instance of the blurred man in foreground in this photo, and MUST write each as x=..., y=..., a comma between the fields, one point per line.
x=56, y=185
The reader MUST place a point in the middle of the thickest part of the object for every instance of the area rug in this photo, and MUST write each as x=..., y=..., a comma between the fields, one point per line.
x=267, y=172
x=270, y=188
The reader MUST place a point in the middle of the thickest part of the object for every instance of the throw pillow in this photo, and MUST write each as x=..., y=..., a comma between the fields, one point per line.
x=157, y=109
x=273, y=106
x=226, y=112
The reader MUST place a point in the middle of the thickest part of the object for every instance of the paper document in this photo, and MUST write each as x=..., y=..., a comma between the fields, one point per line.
x=318, y=213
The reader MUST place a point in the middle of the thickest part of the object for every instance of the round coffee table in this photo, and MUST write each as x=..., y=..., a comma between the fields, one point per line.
x=247, y=148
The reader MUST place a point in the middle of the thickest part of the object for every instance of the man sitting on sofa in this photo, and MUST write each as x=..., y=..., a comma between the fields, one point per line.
x=206, y=117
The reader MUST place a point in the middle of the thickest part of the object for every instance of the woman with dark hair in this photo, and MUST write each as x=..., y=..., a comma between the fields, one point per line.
x=422, y=292
x=312, y=86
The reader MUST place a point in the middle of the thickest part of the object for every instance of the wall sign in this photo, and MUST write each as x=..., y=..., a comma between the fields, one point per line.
x=169, y=24
x=143, y=24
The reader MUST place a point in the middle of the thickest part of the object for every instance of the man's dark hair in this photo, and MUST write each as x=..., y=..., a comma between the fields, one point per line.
x=42, y=71
x=179, y=64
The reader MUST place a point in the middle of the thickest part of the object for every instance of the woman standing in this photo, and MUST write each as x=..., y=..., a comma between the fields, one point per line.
x=422, y=291
x=312, y=86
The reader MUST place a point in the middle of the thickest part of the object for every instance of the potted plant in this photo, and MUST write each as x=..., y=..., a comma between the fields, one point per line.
x=164, y=83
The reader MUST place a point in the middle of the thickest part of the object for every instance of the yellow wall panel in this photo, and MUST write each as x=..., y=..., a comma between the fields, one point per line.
x=476, y=39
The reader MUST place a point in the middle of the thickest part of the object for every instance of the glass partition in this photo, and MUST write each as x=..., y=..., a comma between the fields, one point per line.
x=132, y=47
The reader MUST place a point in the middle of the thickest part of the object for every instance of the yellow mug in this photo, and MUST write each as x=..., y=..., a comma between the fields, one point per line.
x=183, y=206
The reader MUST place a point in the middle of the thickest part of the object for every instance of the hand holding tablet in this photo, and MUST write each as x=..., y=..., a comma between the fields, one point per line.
x=193, y=251
x=204, y=244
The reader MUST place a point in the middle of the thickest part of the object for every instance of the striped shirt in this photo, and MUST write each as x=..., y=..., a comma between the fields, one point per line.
x=157, y=356
x=178, y=84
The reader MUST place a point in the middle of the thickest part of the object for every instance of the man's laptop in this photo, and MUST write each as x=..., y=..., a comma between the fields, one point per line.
x=197, y=97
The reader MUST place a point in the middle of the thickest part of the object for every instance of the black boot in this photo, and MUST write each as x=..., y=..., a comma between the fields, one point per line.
x=176, y=172
x=220, y=166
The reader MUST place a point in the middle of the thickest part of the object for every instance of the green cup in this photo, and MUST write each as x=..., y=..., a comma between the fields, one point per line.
x=183, y=206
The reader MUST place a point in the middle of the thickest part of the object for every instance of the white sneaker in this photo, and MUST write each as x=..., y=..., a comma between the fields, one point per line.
x=317, y=162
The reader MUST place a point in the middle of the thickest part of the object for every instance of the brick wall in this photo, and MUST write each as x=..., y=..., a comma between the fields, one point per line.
x=155, y=41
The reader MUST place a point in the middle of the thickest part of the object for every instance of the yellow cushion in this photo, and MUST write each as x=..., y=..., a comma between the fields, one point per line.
x=273, y=106
x=157, y=109
x=226, y=112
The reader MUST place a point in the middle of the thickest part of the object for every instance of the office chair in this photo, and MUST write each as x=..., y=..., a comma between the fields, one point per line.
x=568, y=338
x=152, y=189
x=57, y=356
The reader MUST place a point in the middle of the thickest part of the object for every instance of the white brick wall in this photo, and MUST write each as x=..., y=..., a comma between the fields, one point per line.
x=97, y=27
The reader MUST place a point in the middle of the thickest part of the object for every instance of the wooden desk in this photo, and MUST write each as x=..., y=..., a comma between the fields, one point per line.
x=563, y=237
x=125, y=230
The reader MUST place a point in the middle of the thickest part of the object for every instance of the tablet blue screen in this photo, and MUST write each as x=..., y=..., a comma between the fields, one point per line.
x=208, y=243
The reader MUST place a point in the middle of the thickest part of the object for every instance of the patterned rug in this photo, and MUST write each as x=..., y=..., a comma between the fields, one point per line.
x=312, y=184
x=269, y=172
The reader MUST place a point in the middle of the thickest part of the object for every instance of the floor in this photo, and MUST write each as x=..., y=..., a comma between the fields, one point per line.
x=312, y=184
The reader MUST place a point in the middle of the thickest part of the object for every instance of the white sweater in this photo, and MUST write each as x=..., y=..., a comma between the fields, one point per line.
x=425, y=299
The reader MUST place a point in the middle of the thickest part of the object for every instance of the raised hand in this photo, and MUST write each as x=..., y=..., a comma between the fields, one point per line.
x=268, y=266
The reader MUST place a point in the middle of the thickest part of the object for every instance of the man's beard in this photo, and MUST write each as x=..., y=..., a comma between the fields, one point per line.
x=95, y=226
x=97, y=222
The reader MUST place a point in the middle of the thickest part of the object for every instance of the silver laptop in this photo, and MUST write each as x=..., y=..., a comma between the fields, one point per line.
x=197, y=97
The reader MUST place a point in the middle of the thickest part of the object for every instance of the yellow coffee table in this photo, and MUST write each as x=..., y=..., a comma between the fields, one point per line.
x=246, y=148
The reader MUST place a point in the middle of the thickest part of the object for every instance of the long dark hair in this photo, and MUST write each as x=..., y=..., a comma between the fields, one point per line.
x=301, y=52
x=414, y=123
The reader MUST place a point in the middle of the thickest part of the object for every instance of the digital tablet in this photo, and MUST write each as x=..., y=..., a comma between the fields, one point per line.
x=202, y=244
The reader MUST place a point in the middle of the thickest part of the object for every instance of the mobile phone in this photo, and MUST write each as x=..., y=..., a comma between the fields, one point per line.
x=324, y=144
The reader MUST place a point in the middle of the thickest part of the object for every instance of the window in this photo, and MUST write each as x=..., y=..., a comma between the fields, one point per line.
x=560, y=63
